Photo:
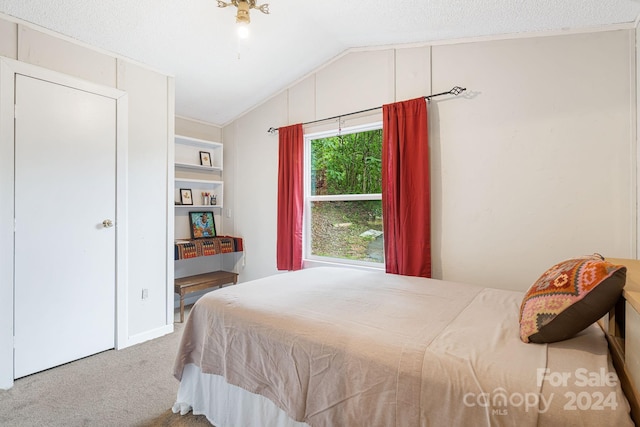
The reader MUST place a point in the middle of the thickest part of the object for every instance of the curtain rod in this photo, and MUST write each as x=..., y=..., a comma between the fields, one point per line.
x=456, y=90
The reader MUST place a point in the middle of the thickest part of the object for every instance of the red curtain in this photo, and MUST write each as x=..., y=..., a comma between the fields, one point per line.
x=290, y=197
x=406, y=199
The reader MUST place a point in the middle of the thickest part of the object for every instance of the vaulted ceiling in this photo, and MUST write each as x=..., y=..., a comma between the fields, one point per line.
x=218, y=77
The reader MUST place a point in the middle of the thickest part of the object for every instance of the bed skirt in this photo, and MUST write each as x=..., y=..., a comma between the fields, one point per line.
x=226, y=405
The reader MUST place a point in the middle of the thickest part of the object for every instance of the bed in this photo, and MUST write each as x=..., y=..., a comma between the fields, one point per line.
x=328, y=347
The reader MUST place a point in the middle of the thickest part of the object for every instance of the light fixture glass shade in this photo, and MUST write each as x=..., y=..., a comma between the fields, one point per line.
x=243, y=30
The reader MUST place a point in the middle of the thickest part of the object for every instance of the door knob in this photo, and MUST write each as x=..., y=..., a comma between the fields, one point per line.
x=107, y=223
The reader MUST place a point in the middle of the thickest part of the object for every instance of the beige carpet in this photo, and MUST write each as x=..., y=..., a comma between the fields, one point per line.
x=169, y=419
x=129, y=387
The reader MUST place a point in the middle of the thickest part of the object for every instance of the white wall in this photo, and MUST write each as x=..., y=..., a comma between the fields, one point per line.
x=197, y=129
x=535, y=163
x=147, y=199
x=251, y=185
x=150, y=124
x=537, y=166
x=637, y=127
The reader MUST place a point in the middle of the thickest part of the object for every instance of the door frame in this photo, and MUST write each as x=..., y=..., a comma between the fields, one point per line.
x=8, y=69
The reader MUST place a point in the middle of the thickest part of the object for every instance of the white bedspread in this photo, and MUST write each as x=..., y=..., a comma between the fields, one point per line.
x=344, y=347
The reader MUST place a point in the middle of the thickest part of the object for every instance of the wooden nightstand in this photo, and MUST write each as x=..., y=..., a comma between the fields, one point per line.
x=199, y=282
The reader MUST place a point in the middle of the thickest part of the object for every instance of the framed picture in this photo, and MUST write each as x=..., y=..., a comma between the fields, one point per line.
x=205, y=158
x=202, y=225
x=185, y=196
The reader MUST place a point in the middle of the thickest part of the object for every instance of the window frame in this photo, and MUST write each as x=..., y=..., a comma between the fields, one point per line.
x=308, y=258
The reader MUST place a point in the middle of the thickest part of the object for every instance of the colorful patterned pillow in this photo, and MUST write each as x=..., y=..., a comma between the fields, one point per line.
x=569, y=297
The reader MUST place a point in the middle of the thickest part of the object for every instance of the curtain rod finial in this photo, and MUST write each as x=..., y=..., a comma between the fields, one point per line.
x=272, y=130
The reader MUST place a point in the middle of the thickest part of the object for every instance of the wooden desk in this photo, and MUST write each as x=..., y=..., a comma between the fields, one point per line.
x=199, y=282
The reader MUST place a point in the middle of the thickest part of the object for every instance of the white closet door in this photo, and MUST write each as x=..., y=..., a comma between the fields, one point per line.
x=65, y=187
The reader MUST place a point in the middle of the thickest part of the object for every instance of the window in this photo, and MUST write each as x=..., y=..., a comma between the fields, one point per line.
x=343, y=200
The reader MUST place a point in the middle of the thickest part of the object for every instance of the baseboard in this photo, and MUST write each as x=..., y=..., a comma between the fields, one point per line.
x=148, y=335
x=6, y=383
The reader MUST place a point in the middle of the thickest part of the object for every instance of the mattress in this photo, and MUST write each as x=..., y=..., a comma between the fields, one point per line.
x=346, y=347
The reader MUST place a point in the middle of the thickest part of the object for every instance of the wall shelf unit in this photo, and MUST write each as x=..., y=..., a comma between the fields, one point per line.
x=197, y=187
x=191, y=174
x=198, y=167
x=187, y=152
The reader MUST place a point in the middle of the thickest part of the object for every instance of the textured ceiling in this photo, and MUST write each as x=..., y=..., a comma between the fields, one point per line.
x=217, y=78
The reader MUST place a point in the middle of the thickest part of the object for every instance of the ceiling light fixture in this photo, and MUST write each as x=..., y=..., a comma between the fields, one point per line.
x=242, y=17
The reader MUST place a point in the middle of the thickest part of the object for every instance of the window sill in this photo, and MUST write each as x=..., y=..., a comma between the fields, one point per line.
x=310, y=263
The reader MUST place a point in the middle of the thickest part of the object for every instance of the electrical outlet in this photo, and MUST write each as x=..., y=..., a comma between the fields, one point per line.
x=145, y=293
x=228, y=212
